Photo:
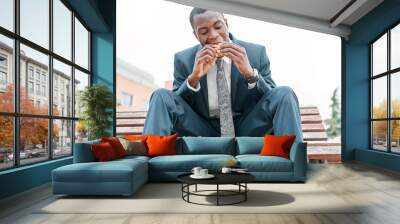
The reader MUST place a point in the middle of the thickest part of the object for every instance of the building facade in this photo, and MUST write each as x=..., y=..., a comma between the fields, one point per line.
x=134, y=87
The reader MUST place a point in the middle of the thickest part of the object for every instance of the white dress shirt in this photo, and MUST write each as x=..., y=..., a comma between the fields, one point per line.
x=212, y=85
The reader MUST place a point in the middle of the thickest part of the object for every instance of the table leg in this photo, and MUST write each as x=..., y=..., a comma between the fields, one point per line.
x=217, y=194
x=245, y=193
x=188, y=190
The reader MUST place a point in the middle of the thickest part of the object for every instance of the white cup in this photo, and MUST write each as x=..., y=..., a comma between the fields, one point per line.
x=203, y=172
x=196, y=171
x=226, y=170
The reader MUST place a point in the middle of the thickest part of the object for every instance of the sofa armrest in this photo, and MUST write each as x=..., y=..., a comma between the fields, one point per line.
x=83, y=152
x=298, y=155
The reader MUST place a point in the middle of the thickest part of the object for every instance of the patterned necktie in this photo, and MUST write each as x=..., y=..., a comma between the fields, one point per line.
x=224, y=102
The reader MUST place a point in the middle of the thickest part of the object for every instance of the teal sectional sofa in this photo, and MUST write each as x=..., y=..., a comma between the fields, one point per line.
x=125, y=176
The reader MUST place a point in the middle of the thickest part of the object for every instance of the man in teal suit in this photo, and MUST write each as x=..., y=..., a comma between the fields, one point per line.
x=193, y=108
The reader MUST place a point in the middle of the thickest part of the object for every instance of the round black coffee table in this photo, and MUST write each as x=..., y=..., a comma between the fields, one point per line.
x=238, y=179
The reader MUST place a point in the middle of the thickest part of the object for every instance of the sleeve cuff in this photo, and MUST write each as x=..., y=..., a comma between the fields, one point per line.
x=252, y=85
x=191, y=88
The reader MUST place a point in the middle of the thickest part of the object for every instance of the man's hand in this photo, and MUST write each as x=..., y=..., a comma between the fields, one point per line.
x=239, y=57
x=205, y=58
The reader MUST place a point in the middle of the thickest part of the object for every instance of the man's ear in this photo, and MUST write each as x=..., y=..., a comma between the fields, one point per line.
x=226, y=22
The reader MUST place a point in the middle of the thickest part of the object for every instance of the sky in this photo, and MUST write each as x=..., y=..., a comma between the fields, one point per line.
x=150, y=32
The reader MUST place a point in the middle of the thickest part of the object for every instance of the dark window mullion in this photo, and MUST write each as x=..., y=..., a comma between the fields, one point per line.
x=16, y=84
x=73, y=82
x=371, y=137
x=389, y=104
x=50, y=87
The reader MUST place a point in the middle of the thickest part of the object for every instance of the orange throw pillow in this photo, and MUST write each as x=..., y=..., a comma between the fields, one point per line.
x=136, y=137
x=103, y=151
x=161, y=145
x=116, y=145
x=277, y=145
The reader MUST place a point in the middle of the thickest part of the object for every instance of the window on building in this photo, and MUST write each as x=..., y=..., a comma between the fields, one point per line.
x=127, y=99
x=43, y=77
x=3, y=61
x=43, y=90
x=30, y=72
x=30, y=87
x=3, y=71
x=385, y=91
x=37, y=74
x=3, y=78
x=35, y=53
x=38, y=89
x=62, y=74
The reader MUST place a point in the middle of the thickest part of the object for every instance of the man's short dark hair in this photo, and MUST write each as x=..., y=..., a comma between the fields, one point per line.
x=196, y=11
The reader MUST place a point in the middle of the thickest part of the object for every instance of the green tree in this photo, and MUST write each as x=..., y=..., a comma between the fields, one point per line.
x=97, y=102
x=334, y=122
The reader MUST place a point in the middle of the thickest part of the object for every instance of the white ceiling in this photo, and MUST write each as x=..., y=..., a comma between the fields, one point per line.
x=316, y=15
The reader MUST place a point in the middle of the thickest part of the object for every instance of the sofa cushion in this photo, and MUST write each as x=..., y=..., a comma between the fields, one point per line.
x=257, y=163
x=208, y=145
x=134, y=147
x=249, y=145
x=275, y=145
x=111, y=171
x=103, y=152
x=116, y=145
x=185, y=163
x=161, y=145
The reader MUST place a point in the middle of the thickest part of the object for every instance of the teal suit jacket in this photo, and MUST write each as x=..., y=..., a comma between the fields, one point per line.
x=243, y=99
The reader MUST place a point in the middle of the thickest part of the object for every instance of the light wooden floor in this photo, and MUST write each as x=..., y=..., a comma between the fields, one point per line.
x=379, y=189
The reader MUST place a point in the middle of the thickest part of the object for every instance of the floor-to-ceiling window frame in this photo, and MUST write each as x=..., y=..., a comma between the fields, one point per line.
x=44, y=64
x=385, y=91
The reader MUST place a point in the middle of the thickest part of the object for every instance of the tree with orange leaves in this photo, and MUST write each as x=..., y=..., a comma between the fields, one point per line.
x=33, y=131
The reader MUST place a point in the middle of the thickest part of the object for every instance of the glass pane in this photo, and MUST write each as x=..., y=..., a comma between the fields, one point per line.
x=379, y=135
x=81, y=131
x=62, y=89
x=62, y=28
x=6, y=142
x=35, y=21
x=379, y=55
x=379, y=97
x=34, y=72
x=33, y=139
x=62, y=138
x=6, y=74
x=395, y=136
x=7, y=14
x=81, y=81
x=81, y=45
x=395, y=47
x=395, y=94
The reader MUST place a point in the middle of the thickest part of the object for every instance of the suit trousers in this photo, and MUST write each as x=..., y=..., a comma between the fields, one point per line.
x=276, y=112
